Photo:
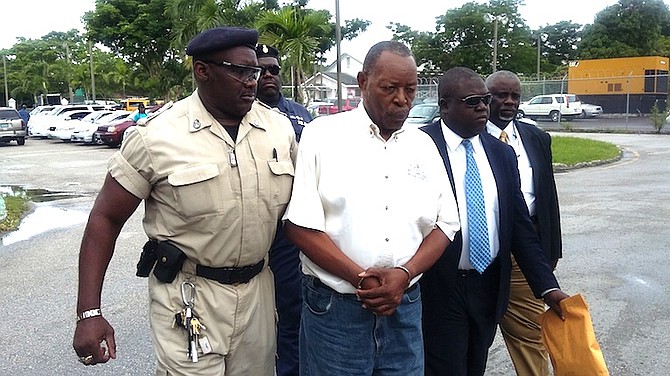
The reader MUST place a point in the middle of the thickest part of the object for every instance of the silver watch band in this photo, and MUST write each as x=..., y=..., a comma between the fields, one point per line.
x=95, y=312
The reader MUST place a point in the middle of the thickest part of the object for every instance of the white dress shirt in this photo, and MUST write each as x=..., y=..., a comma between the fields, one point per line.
x=525, y=169
x=456, y=152
x=376, y=199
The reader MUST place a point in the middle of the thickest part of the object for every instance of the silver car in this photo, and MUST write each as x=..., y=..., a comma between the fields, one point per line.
x=590, y=111
x=12, y=126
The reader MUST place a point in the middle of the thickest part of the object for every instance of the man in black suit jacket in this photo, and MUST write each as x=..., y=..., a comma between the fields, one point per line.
x=461, y=305
x=520, y=326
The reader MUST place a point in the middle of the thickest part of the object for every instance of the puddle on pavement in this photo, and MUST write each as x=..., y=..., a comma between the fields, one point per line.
x=44, y=217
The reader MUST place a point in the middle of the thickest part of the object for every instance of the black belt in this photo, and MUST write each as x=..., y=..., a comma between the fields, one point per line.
x=230, y=275
x=467, y=272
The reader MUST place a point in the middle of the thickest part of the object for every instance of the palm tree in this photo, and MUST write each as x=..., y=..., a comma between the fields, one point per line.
x=190, y=17
x=295, y=33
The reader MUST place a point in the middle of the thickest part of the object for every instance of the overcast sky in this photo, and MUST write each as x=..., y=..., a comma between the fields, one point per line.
x=39, y=17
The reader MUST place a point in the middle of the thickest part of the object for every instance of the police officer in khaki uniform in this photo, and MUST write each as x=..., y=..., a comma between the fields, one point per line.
x=215, y=172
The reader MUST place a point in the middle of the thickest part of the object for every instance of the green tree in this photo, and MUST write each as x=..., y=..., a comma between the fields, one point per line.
x=558, y=44
x=294, y=32
x=190, y=17
x=463, y=37
x=628, y=28
x=136, y=30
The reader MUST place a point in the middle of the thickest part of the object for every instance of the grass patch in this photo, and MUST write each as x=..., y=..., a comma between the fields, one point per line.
x=16, y=207
x=573, y=150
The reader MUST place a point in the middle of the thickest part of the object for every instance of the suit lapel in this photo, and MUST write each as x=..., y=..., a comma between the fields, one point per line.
x=531, y=145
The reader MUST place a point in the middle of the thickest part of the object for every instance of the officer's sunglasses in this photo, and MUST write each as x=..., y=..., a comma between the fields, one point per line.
x=273, y=69
x=239, y=72
x=473, y=100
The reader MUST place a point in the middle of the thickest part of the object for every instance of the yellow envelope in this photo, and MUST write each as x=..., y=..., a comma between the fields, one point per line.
x=572, y=344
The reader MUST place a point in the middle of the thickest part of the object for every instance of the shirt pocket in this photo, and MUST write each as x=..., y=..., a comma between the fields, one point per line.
x=281, y=180
x=276, y=185
x=201, y=192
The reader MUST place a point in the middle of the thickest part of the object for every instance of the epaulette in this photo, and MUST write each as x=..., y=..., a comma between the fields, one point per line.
x=154, y=114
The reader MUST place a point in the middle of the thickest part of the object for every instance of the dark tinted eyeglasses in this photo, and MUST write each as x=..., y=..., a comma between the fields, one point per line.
x=273, y=69
x=473, y=100
x=239, y=72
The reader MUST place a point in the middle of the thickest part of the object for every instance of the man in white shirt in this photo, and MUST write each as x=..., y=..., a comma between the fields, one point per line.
x=520, y=326
x=371, y=210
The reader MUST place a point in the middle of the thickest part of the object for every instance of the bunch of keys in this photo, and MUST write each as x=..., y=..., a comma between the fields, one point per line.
x=187, y=319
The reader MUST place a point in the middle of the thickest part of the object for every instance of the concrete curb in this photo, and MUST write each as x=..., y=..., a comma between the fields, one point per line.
x=561, y=167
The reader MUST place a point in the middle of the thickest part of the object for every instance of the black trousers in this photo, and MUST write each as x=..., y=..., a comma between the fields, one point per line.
x=459, y=320
x=285, y=265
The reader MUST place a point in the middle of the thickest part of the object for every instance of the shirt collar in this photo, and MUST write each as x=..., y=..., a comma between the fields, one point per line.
x=495, y=131
x=453, y=140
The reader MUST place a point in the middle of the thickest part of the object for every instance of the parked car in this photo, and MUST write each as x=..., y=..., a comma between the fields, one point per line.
x=12, y=126
x=590, y=111
x=313, y=107
x=62, y=126
x=552, y=106
x=422, y=114
x=332, y=108
x=112, y=134
x=40, y=124
x=84, y=131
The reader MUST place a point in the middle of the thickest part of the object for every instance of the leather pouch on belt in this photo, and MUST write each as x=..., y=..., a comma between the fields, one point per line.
x=169, y=260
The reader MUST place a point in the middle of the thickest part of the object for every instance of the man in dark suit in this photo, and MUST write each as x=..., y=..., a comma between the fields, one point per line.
x=463, y=296
x=520, y=326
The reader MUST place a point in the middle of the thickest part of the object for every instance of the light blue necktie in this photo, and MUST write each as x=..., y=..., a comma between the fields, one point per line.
x=480, y=255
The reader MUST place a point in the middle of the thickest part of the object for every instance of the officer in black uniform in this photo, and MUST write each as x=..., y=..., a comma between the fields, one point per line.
x=284, y=255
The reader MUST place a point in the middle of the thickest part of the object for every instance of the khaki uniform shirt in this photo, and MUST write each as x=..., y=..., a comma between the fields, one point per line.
x=217, y=213
x=221, y=211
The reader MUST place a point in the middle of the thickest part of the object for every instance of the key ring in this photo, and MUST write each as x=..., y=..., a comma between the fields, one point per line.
x=188, y=293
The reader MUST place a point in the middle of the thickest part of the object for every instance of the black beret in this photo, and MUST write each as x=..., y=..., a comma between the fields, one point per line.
x=263, y=50
x=221, y=38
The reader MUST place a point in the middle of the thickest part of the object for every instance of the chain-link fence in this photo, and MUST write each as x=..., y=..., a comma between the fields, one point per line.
x=616, y=95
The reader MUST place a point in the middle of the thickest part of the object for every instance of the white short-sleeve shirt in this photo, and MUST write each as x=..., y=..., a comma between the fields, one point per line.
x=376, y=199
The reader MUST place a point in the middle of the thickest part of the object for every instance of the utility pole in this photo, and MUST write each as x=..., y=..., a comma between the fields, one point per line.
x=4, y=68
x=539, y=43
x=67, y=57
x=90, y=57
x=338, y=38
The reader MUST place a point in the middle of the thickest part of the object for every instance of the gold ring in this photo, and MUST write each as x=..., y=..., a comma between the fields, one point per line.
x=86, y=360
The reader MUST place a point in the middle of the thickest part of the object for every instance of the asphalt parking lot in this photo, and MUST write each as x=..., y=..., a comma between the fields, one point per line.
x=614, y=220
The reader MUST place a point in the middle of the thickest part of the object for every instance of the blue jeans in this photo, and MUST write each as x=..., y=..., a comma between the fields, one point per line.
x=338, y=337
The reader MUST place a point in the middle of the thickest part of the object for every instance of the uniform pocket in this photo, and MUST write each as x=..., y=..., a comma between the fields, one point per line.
x=200, y=191
x=281, y=180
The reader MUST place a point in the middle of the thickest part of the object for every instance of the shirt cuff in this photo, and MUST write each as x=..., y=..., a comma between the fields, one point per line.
x=545, y=292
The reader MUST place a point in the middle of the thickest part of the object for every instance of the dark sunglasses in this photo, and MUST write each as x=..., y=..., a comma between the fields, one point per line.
x=241, y=73
x=473, y=100
x=273, y=69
